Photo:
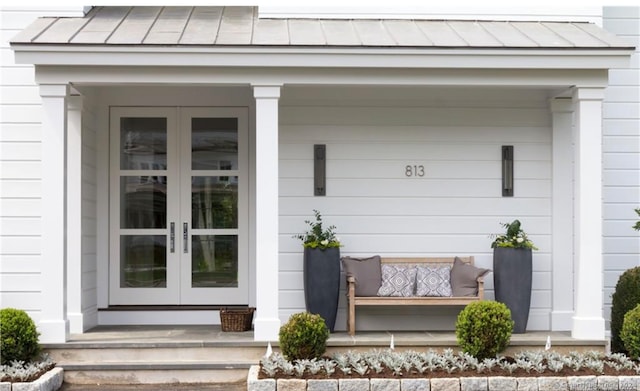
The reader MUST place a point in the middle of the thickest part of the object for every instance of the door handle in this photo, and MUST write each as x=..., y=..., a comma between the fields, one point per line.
x=172, y=238
x=185, y=237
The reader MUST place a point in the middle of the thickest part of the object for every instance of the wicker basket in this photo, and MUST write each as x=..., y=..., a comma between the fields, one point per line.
x=236, y=319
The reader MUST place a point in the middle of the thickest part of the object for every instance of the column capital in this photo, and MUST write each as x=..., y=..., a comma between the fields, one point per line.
x=588, y=93
x=266, y=91
x=54, y=90
x=561, y=105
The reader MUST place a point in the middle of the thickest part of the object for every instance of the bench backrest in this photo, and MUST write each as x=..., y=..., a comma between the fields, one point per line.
x=427, y=260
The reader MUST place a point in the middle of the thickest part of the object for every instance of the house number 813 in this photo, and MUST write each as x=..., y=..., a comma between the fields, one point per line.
x=414, y=171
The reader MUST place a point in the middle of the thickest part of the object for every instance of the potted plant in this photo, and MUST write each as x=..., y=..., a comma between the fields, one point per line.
x=512, y=270
x=321, y=270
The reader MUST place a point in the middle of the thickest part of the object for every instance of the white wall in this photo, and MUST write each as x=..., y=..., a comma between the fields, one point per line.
x=371, y=135
x=621, y=140
x=20, y=167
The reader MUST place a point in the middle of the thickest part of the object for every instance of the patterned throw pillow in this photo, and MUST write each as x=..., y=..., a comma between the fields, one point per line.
x=433, y=281
x=398, y=280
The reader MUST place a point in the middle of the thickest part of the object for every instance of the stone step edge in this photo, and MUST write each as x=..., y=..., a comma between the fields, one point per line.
x=498, y=383
x=160, y=366
x=50, y=381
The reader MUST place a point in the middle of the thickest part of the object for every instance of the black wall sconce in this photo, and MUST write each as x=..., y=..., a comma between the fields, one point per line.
x=507, y=170
x=319, y=169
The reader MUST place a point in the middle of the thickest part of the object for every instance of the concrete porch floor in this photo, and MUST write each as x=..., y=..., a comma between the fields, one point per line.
x=212, y=335
x=206, y=354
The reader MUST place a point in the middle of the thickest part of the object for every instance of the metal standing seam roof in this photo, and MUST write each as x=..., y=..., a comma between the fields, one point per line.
x=240, y=26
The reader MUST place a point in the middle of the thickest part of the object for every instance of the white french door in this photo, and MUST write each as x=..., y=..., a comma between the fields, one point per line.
x=178, y=206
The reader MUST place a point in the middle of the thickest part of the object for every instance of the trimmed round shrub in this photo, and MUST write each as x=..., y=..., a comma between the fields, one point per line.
x=483, y=328
x=630, y=333
x=304, y=336
x=625, y=297
x=18, y=336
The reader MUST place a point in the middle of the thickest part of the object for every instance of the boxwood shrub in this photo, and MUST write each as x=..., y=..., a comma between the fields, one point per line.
x=484, y=328
x=304, y=336
x=18, y=337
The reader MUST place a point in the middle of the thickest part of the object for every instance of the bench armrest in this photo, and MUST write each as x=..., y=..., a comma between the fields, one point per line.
x=481, y=287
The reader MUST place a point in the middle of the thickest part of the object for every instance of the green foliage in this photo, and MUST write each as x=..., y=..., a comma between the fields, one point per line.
x=483, y=328
x=515, y=237
x=630, y=333
x=304, y=336
x=625, y=297
x=317, y=237
x=637, y=225
x=18, y=337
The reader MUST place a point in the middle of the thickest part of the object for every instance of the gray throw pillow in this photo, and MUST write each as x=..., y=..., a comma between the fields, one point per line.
x=433, y=281
x=398, y=280
x=464, y=278
x=366, y=272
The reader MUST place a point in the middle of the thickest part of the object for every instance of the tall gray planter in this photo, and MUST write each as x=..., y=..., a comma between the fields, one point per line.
x=512, y=270
x=321, y=275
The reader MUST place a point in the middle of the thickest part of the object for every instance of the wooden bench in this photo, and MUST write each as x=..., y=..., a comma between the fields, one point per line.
x=353, y=300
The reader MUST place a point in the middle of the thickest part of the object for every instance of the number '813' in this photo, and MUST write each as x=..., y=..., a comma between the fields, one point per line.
x=414, y=170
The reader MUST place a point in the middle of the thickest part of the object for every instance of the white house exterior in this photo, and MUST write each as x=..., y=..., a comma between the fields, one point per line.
x=413, y=111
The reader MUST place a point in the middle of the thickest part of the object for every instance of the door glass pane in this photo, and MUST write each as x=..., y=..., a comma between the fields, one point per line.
x=214, y=261
x=143, y=261
x=143, y=201
x=214, y=143
x=214, y=202
x=143, y=143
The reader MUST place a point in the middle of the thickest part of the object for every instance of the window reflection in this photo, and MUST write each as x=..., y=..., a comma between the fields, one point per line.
x=143, y=143
x=214, y=143
x=214, y=202
x=214, y=261
x=143, y=201
x=143, y=261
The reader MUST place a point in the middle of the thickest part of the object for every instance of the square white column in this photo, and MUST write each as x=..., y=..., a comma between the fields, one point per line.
x=588, y=320
x=53, y=324
x=562, y=215
x=267, y=322
x=74, y=213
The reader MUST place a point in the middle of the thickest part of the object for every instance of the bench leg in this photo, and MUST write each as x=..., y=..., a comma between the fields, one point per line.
x=351, y=319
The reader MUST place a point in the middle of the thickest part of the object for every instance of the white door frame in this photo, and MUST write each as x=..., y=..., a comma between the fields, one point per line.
x=178, y=290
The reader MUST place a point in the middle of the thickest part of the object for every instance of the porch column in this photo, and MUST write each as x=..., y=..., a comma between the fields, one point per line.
x=74, y=213
x=562, y=215
x=588, y=322
x=53, y=324
x=267, y=322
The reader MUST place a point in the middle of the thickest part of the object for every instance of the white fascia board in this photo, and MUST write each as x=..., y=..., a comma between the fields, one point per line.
x=326, y=58
x=185, y=75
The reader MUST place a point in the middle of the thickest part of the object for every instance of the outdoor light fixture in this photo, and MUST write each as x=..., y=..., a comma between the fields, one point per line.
x=319, y=169
x=507, y=170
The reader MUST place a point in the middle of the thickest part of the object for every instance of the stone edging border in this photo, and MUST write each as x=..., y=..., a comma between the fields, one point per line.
x=50, y=381
x=571, y=383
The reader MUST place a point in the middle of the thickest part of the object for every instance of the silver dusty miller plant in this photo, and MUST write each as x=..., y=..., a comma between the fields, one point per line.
x=19, y=371
x=402, y=363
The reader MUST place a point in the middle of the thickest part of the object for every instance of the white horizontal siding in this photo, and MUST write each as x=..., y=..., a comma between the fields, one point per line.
x=621, y=147
x=452, y=210
x=20, y=170
x=21, y=263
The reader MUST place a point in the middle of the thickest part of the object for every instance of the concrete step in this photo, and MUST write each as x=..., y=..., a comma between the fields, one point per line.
x=155, y=363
